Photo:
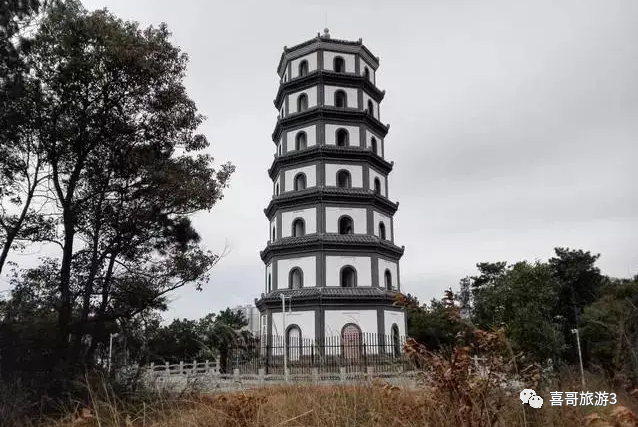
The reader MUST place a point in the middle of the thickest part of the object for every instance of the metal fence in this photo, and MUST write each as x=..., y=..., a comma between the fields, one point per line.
x=328, y=354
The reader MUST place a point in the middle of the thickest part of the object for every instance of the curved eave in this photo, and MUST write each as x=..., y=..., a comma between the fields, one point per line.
x=334, y=115
x=330, y=194
x=327, y=242
x=330, y=78
x=331, y=153
x=316, y=297
x=345, y=46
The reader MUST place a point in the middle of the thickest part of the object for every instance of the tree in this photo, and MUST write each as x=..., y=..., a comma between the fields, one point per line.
x=481, y=286
x=118, y=133
x=520, y=298
x=22, y=164
x=580, y=283
x=610, y=328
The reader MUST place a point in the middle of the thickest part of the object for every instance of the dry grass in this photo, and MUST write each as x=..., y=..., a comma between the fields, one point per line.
x=454, y=395
x=373, y=405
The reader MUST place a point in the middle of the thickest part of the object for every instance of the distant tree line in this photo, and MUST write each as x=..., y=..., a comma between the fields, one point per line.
x=539, y=305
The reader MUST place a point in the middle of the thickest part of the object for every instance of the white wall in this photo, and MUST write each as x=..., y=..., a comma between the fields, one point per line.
x=268, y=271
x=377, y=217
x=312, y=64
x=328, y=61
x=312, y=99
x=375, y=105
x=311, y=177
x=308, y=215
x=353, y=131
x=369, y=136
x=358, y=215
x=397, y=317
x=335, y=320
x=306, y=322
x=329, y=94
x=274, y=186
x=362, y=65
x=374, y=174
x=311, y=137
x=273, y=223
x=388, y=265
x=307, y=264
x=361, y=264
x=356, y=174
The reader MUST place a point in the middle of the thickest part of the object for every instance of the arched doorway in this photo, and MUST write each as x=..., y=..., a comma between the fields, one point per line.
x=351, y=341
x=396, y=341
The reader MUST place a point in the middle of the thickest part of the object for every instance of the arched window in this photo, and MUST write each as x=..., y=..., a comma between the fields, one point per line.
x=293, y=342
x=301, y=141
x=279, y=149
x=348, y=277
x=377, y=186
x=370, y=107
x=341, y=99
x=303, y=68
x=295, y=280
x=300, y=181
x=382, y=230
x=339, y=65
x=277, y=189
x=366, y=73
x=274, y=234
x=269, y=282
x=387, y=277
x=346, y=225
x=298, y=228
x=396, y=340
x=343, y=179
x=302, y=102
x=351, y=341
x=342, y=138
x=373, y=145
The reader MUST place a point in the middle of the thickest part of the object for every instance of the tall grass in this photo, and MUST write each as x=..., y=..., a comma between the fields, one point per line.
x=323, y=406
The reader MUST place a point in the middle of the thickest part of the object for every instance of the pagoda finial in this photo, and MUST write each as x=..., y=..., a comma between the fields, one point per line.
x=326, y=33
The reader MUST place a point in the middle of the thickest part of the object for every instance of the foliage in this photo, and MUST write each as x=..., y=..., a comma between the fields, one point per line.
x=107, y=117
x=610, y=327
x=430, y=324
x=455, y=378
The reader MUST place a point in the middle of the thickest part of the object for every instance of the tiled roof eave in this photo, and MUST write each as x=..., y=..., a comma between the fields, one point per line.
x=327, y=78
x=330, y=241
x=318, y=194
x=323, y=42
x=332, y=153
x=330, y=113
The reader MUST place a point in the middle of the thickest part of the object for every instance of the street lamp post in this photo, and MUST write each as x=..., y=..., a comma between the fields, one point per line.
x=283, y=317
x=580, y=357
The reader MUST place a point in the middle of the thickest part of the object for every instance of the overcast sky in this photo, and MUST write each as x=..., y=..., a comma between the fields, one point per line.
x=514, y=127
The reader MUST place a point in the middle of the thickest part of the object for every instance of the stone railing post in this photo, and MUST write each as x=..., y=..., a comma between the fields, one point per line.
x=315, y=375
x=181, y=369
x=236, y=374
x=342, y=374
x=370, y=373
x=261, y=375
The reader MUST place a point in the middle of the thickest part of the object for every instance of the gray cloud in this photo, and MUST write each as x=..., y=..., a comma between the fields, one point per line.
x=513, y=127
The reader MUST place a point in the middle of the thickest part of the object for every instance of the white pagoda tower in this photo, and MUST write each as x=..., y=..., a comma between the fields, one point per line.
x=331, y=249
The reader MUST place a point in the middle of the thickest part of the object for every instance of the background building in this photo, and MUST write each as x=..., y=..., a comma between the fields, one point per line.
x=251, y=313
x=331, y=250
